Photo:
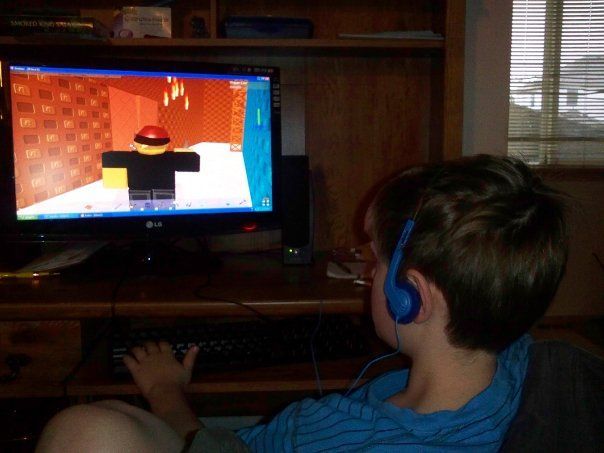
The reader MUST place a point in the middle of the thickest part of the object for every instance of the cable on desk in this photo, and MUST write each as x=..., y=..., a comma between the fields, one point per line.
x=199, y=295
x=595, y=255
x=315, y=363
x=86, y=354
x=116, y=289
x=312, y=349
x=106, y=329
x=239, y=304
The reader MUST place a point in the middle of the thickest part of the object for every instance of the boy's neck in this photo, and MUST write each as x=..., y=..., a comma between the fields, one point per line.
x=446, y=379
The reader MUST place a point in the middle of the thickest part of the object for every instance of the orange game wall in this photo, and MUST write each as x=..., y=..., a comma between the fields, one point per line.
x=209, y=118
x=61, y=126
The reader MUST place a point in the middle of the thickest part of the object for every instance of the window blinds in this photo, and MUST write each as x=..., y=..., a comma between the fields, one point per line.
x=557, y=82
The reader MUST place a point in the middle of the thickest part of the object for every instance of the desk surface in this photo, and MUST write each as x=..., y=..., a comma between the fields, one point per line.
x=260, y=281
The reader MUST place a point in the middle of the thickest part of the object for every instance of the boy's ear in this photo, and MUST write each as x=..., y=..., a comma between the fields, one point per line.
x=426, y=293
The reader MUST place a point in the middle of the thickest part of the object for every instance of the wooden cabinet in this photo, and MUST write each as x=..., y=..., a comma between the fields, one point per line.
x=360, y=108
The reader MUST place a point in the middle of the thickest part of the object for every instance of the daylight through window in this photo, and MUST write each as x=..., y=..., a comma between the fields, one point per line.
x=557, y=82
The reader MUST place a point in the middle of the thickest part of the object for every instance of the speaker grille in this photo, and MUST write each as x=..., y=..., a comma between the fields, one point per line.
x=296, y=203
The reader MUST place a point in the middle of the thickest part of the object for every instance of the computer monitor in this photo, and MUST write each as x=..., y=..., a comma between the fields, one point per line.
x=115, y=148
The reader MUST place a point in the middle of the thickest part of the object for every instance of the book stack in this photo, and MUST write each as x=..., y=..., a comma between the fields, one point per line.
x=36, y=25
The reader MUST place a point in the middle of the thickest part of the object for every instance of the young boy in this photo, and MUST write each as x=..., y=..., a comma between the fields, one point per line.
x=469, y=255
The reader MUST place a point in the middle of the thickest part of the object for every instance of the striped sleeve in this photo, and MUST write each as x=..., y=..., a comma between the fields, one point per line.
x=311, y=426
x=277, y=435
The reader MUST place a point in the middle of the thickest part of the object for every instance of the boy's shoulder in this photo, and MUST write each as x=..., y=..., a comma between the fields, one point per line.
x=365, y=418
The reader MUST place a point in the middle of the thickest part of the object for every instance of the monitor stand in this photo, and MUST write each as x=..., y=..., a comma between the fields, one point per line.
x=166, y=257
x=90, y=259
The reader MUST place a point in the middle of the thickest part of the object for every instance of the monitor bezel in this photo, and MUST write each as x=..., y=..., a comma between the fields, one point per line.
x=144, y=225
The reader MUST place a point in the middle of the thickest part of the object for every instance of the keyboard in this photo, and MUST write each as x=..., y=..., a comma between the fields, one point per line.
x=248, y=344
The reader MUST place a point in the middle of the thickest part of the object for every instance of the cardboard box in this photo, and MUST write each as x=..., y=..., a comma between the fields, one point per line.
x=142, y=22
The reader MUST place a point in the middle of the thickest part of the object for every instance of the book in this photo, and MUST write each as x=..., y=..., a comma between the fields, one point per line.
x=23, y=25
x=142, y=22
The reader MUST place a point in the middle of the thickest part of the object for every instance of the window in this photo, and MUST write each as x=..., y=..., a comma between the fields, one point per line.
x=557, y=82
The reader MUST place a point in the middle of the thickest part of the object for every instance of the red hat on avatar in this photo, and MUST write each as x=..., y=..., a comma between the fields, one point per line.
x=152, y=136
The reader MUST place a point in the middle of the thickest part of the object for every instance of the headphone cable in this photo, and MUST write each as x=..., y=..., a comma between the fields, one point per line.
x=375, y=360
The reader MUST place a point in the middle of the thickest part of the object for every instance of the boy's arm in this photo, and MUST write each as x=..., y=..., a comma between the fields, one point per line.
x=162, y=379
x=171, y=405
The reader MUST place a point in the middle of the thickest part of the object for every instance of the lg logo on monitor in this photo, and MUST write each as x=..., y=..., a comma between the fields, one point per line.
x=151, y=224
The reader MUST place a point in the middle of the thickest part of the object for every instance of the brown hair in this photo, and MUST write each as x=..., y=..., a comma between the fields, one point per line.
x=489, y=233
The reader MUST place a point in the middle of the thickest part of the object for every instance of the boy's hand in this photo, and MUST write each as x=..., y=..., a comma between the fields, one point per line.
x=155, y=369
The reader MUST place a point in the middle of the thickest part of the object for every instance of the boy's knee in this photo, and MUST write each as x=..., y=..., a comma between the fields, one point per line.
x=74, y=417
x=88, y=427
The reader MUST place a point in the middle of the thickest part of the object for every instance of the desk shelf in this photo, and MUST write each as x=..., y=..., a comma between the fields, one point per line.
x=55, y=351
x=336, y=375
x=335, y=44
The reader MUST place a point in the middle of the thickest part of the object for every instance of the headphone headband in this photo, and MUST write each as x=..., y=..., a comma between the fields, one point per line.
x=403, y=298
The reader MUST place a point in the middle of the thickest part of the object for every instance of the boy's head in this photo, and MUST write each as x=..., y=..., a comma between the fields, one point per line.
x=488, y=234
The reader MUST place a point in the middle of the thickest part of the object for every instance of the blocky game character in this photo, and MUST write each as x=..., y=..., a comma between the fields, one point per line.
x=148, y=171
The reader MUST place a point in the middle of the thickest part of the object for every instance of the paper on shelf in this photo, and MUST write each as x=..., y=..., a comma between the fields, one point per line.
x=70, y=255
x=403, y=34
x=348, y=270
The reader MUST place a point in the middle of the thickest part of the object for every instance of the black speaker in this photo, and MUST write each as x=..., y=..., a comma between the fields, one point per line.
x=297, y=210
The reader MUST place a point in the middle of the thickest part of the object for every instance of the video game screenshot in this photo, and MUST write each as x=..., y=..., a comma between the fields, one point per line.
x=112, y=142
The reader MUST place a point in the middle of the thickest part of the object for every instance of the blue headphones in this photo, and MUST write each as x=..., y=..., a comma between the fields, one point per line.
x=403, y=298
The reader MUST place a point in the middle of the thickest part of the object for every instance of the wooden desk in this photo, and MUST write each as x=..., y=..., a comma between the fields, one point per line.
x=44, y=319
x=260, y=281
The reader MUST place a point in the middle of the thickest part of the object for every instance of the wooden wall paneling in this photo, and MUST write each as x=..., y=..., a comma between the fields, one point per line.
x=436, y=111
x=341, y=16
x=453, y=79
x=213, y=19
x=581, y=290
x=365, y=119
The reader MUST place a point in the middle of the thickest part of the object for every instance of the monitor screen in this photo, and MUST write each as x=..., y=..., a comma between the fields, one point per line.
x=130, y=146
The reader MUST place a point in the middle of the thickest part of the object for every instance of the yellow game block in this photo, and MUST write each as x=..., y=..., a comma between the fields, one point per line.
x=115, y=178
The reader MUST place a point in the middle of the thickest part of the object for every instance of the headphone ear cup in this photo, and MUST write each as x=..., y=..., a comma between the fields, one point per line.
x=404, y=302
x=403, y=298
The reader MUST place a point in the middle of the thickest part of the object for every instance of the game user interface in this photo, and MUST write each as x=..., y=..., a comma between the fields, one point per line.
x=97, y=142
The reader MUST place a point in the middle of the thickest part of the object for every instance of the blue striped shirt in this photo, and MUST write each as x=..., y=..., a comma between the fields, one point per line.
x=364, y=421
